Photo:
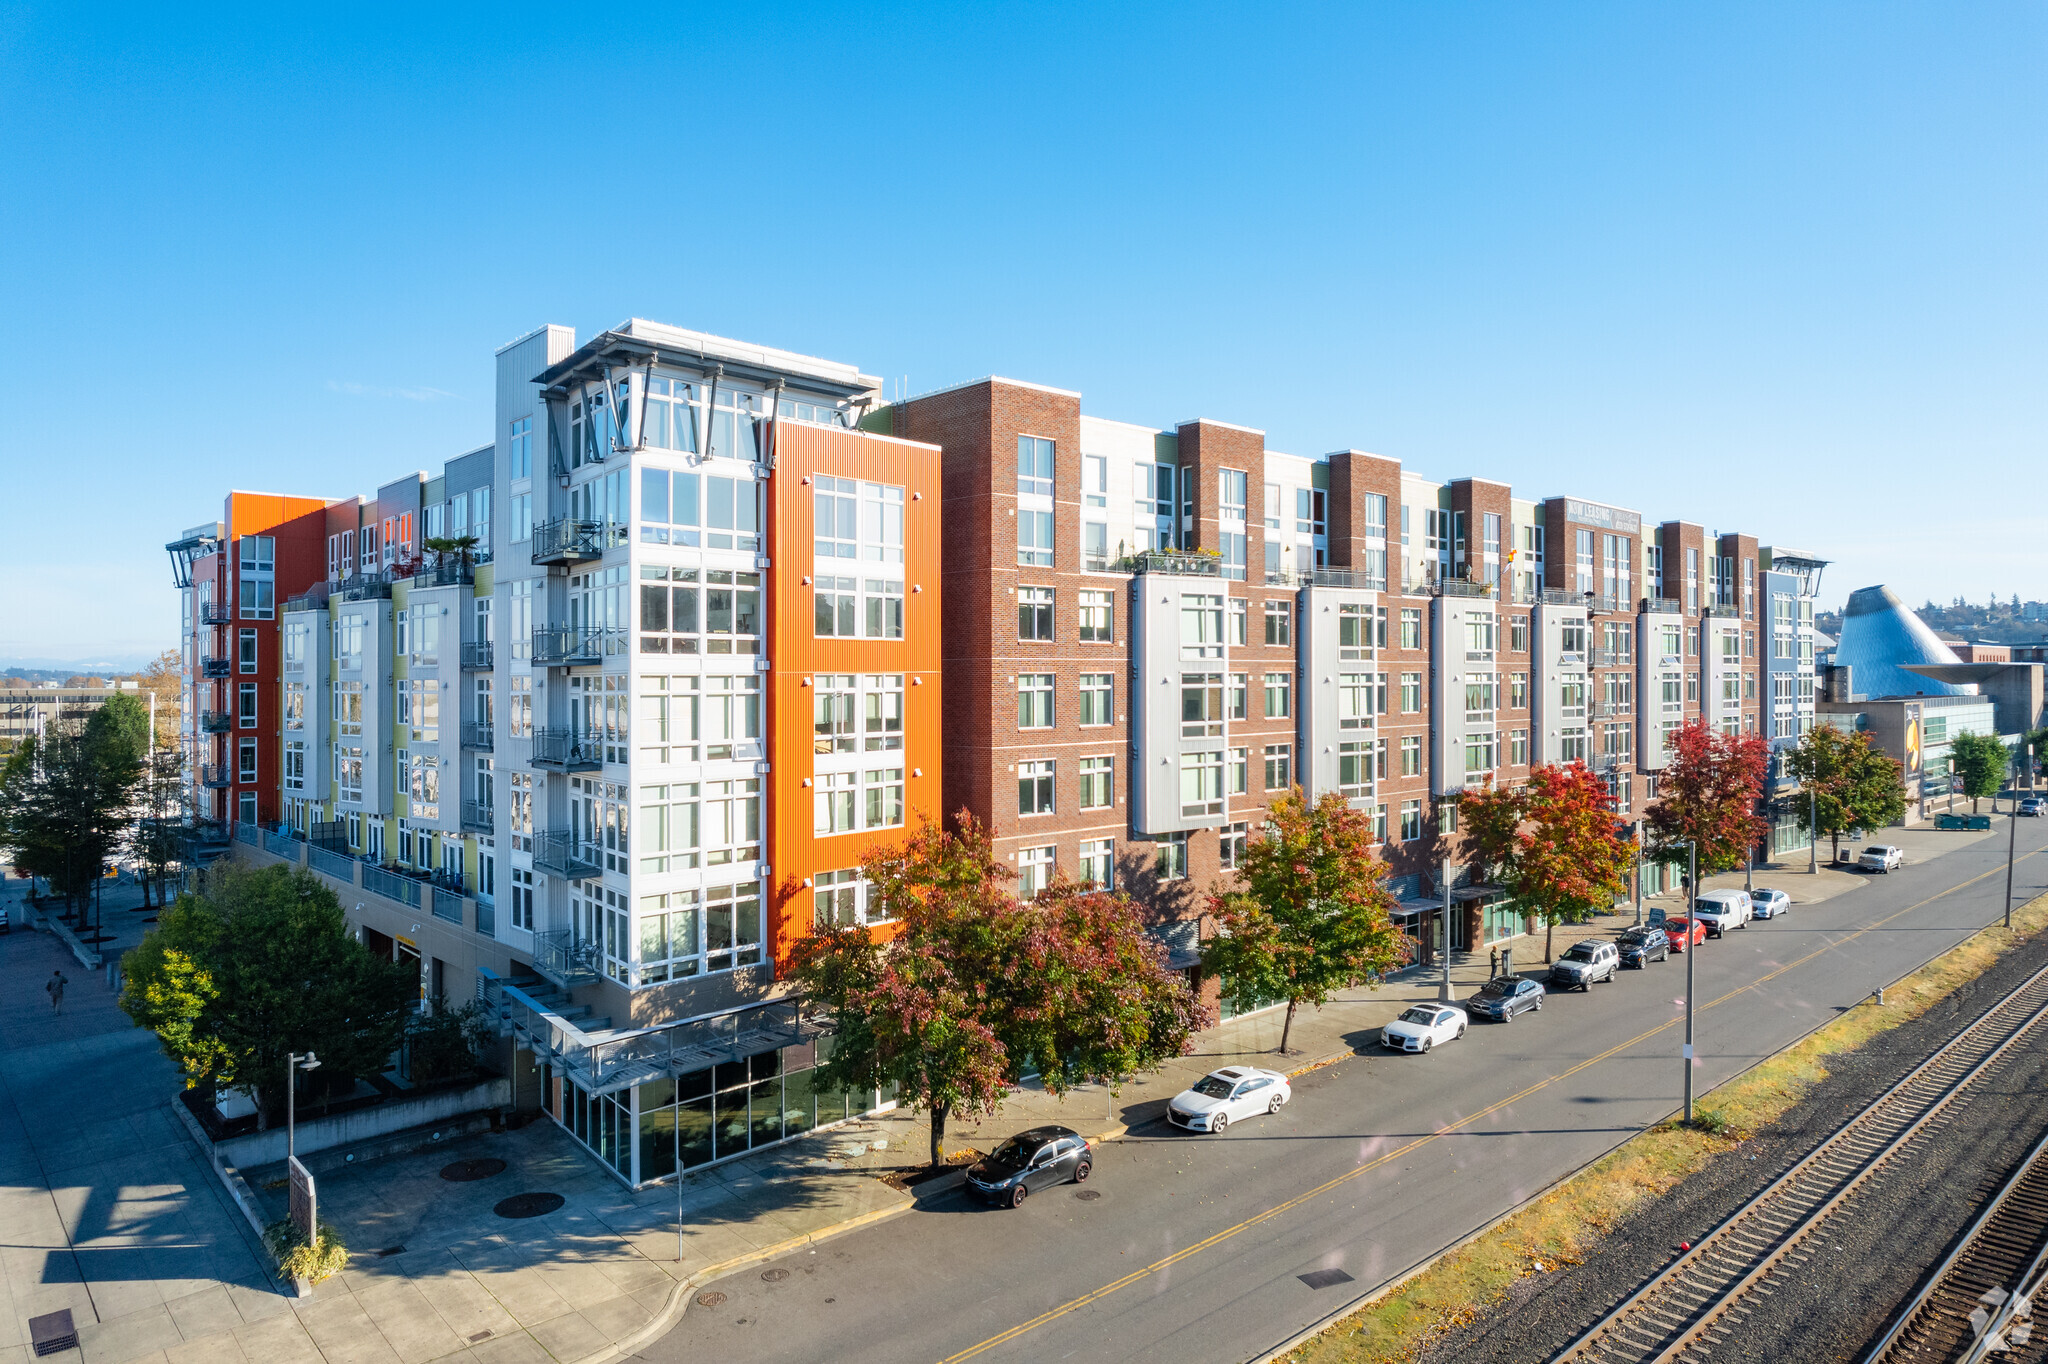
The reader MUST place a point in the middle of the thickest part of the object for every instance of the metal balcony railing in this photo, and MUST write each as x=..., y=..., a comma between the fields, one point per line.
x=447, y=573
x=216, y=721
x=477, y=656
x=210, y=666
x=1610, y=658
x=561, y=852
x=1459, y=587
x=216, y=613
x=568, y=750
x=1662, y=606
x=1728, y=612
x=564, y=958
x=478, y=817
x=392, y=886
x=568, y=541
x=562, y=646
x=478, y=736
x=1190, y=563
x=214, y=775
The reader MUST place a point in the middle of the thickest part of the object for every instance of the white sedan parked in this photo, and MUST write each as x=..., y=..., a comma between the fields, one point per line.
x=1768, y=904
x=1423, y=1026
x=1223, y=1096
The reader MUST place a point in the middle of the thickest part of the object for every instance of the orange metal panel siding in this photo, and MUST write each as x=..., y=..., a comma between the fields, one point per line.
x=795, y=653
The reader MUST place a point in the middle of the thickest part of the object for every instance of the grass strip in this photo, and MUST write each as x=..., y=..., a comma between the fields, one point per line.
x=1562, y=1227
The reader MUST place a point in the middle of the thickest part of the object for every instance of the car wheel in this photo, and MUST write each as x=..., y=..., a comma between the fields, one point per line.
x=1273, y=1106
x=1538, y=1005
x=1082, y=1171
x=1018, y=1193
x=1426, y=1043
x=1219, y=1122
x=1461, y=1030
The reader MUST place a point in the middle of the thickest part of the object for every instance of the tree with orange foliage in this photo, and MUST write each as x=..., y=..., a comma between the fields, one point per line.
x=1707, y=797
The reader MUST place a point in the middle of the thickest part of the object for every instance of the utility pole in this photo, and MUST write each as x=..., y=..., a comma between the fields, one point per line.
x=294, y=1063
x=1692, y=948
x=2012, y=843
x=1443, y=993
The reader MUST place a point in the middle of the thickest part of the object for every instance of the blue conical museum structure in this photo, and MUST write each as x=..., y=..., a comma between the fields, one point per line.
x=1882, y=640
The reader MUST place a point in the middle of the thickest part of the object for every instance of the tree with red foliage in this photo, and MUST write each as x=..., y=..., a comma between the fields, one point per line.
x=1571, y=858
x=977, y=988
x=1490, y=819
x=1707, y=797
x=1315, y=914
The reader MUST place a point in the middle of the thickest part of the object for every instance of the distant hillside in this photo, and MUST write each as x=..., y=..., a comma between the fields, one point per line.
x=2007, y=622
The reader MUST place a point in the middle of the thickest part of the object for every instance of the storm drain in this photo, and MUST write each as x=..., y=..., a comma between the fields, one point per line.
x=529, y=1205
x=1324, y=1278
x=710, y=1299
x=1087, y=1195
x=774, y=1275
x=467, y=1171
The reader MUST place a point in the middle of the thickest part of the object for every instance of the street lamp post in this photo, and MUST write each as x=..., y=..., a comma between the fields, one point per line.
x=294, y=1063
x=1639, y=873
x=2012, y=843
x=1445, y=817
x=1692, y=873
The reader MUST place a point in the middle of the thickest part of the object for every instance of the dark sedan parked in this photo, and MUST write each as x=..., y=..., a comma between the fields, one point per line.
x=1505, y=996
x=1641, y=946
x=1037, y=1159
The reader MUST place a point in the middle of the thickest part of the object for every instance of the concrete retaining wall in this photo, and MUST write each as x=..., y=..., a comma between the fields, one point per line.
x=364, y=1127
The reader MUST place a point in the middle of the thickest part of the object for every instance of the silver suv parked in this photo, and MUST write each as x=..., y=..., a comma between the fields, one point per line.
x=1585, y=963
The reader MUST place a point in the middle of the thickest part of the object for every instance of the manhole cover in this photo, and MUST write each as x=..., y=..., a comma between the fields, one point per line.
x=1088, y=1195
x=529, y=1205
x=710, y=1299
x=464, y=1171
x=774, y=1275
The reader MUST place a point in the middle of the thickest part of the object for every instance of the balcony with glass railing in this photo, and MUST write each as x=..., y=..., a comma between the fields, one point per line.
x=216, y=721
x=216, y=613
x=1191, y=563
x=566, y=540
x=478, y=817
x=476, y=657
x=481, y=737
x=561, y=646
x=214, y=775
x=210, y=666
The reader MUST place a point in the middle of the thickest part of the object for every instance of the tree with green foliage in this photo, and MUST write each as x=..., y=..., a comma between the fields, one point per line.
x=162, y=799
x=1980, y=762
x=2036, y=743
x=1850, y=783
x=259, y=964
x=963, y=989
x=1315, y=914
x=65, y=798
x=461, y=548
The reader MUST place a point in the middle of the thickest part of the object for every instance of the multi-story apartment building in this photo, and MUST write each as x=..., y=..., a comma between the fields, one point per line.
x=606, y=764
x=233, y=574
x=602, y=718
x=1151, y=632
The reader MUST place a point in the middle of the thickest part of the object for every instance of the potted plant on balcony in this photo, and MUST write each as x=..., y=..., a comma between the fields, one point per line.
x=461, y=547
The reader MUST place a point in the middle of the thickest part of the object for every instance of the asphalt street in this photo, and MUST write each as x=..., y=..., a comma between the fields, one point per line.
x=1193, y=1249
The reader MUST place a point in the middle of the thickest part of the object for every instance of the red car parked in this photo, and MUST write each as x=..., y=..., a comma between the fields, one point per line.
x=1684, y=932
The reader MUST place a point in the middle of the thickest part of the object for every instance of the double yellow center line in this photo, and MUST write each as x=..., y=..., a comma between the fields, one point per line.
x=1327, y=1186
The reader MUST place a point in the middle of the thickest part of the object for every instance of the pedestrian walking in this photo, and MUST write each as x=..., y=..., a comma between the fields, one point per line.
x=55, y=985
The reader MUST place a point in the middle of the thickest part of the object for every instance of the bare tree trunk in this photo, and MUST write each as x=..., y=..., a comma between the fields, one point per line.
x=939, y=1112
x=1549, y=927
x=1287, y=1028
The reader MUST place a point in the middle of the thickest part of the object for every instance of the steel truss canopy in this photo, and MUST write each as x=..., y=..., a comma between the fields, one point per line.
x=196, y=543
x=639, y=342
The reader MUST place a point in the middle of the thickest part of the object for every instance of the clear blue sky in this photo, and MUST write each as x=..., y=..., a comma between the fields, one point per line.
x=1769, y=267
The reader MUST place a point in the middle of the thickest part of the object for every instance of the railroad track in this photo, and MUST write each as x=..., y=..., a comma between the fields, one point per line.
x=1685, y=1310
x=1967, y=1304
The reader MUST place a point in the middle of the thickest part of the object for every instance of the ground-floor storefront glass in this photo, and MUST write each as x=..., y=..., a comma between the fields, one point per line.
x=707, y=1115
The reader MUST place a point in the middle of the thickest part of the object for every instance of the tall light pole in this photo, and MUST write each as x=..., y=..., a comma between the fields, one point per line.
x=2012, y=843
x=1445, y=818
x=1639, y=873
x=1692, y=891
x=294, y=1063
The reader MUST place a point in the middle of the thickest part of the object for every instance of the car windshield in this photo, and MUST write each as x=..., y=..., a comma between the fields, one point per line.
x=1581, y=952
x=1015, y=1152
x=1764, y=893
x=1213, y=1087
x=1494, y=989
x=1708, y=906
x=1635, y=937
x=1680, y=924
x=1419, y=1016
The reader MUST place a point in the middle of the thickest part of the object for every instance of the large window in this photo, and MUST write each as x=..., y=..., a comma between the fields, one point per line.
x=1034, y=466
x=1098, y=698
x=1201, y=783
x=1201, y=626
x=246, y=709
x=1279, y=695
x=245, y=652
x=686, y=825
x=850, y=608
x=1201, y=705
x=245, y=761
x=1035, y=788
x=1034, y=871
x=1098, y=863
x=1172, y=860
x=1034, y=538
x=692, y=932
x=1354, y=768
x=858, y=521
x=1034, y=701
x=1034, y=613
x=841, y=899
x=1098, y=783
x=679, y=614
x=1098, y=618
x=1279, y=623
x=256, y=557
x=1279, y=766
